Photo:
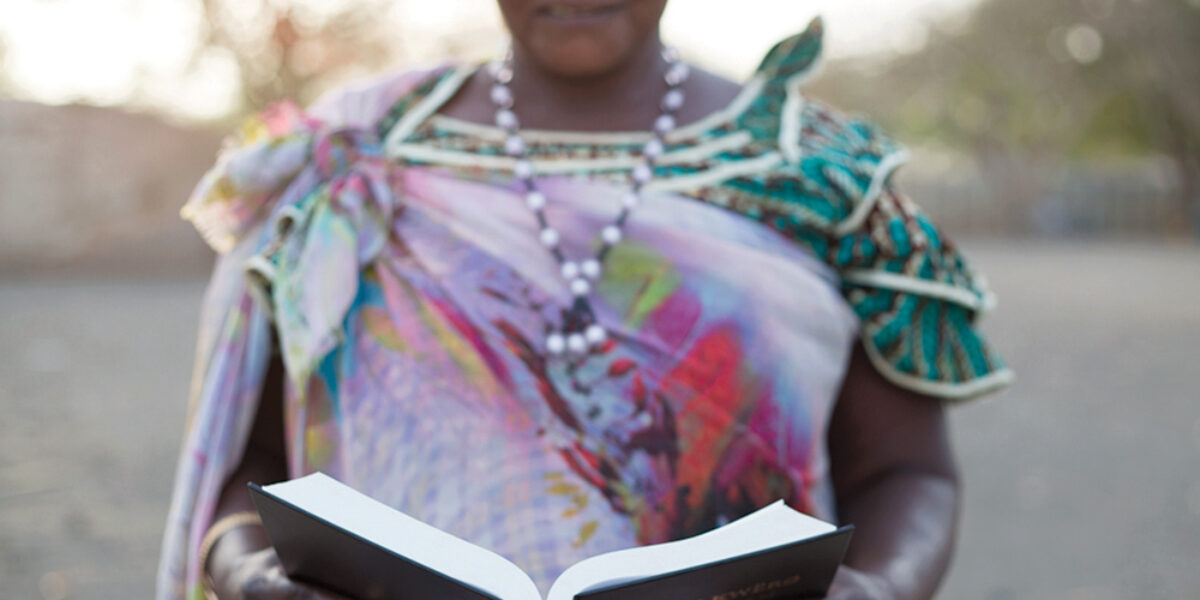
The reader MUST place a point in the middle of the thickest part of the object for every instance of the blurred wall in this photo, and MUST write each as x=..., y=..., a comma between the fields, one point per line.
x=1022, y=196
x=86, y=189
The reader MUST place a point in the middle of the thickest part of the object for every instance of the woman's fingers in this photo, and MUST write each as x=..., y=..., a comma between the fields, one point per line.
x=263, y=578
x=279, y=587
x=852, y=584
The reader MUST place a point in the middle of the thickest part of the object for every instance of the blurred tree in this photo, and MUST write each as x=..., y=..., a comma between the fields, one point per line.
x=5, y=83
x=295, y=49
x=1022, y=82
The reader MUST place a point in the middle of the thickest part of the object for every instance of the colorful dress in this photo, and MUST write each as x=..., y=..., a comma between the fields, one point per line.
x=389, y=250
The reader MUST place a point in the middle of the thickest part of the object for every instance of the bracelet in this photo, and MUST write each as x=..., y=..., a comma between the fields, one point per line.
x=215, y=531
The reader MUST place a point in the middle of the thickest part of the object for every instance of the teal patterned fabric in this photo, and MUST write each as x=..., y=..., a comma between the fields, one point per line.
x=916, y=295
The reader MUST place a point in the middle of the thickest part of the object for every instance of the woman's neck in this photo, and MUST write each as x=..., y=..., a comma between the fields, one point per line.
x=625, y=98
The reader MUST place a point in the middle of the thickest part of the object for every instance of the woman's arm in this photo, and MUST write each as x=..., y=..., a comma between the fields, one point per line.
x=242, y=565
x=895, y=479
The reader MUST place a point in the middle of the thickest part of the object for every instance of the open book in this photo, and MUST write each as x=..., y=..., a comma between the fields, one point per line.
x=329, y=534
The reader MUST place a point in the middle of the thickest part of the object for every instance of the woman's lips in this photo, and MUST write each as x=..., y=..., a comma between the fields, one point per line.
x=579, y=11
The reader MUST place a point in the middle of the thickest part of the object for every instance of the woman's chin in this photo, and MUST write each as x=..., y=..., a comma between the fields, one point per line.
x=582, y=56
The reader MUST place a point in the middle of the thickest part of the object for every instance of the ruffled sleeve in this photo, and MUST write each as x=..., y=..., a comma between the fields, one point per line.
x=298, y=203
x=918, y=299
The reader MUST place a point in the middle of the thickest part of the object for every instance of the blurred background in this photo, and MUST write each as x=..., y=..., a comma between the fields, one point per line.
x=1058, y=142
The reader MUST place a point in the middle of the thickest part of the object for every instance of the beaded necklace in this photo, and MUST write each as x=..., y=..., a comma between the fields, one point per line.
x=579, y=331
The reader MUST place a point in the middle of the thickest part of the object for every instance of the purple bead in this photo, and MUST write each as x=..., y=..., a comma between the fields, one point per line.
x=595, y=334
x=523, y=169
x=664, y=124
x=590, y=268
x=653, y=148
x=673, y=100
x=502, y=96
x=506, y=119
x=580, y=287
x=677, y=74
x=642, y=173
x=556, y=343
x=514, y=145
x=576, y=343
x=504, y=74
x=535, y=200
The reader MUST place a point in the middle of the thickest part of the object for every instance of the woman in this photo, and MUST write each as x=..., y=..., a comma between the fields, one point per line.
x=643, y=303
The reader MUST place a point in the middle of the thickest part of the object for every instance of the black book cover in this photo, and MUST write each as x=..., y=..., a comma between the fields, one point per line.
x=315, y=551
x=796, y=571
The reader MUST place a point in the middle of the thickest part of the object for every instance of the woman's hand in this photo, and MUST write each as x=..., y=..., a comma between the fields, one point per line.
x=242, y=563
x=259, y=576
x=852, y=584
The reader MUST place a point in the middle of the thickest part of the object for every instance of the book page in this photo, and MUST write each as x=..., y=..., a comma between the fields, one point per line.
x=770, y=527
x=370, y=519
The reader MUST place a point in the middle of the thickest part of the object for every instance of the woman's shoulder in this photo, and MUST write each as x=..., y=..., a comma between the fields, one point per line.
x=831, y=164
x=366, y=102
x=810, y=134
x=831, y=189
x=279, y=152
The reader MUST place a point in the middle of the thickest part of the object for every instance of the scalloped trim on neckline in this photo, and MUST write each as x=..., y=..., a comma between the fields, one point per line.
x=425, y=112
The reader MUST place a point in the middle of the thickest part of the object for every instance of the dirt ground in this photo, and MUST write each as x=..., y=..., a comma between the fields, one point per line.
x=1082, y=481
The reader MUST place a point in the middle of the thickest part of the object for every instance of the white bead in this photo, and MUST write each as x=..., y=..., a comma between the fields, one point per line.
x=670, y=54
x=514, y=145
x=595, y=334
x=629, y=199
x=677, y=74
x=570, y=270
x=590, y=268
x=502, y=96
x=535, y=200
x=673, y=100
x=555, y=343
x=611, y=234
x=504, y=74
x=523, y=169
x=642, y=173
x=580, y=287
x=664, y=123
x=653, y=148
x=506, y=119
x=577, y=343
x=549, y=237
x=493, y=67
